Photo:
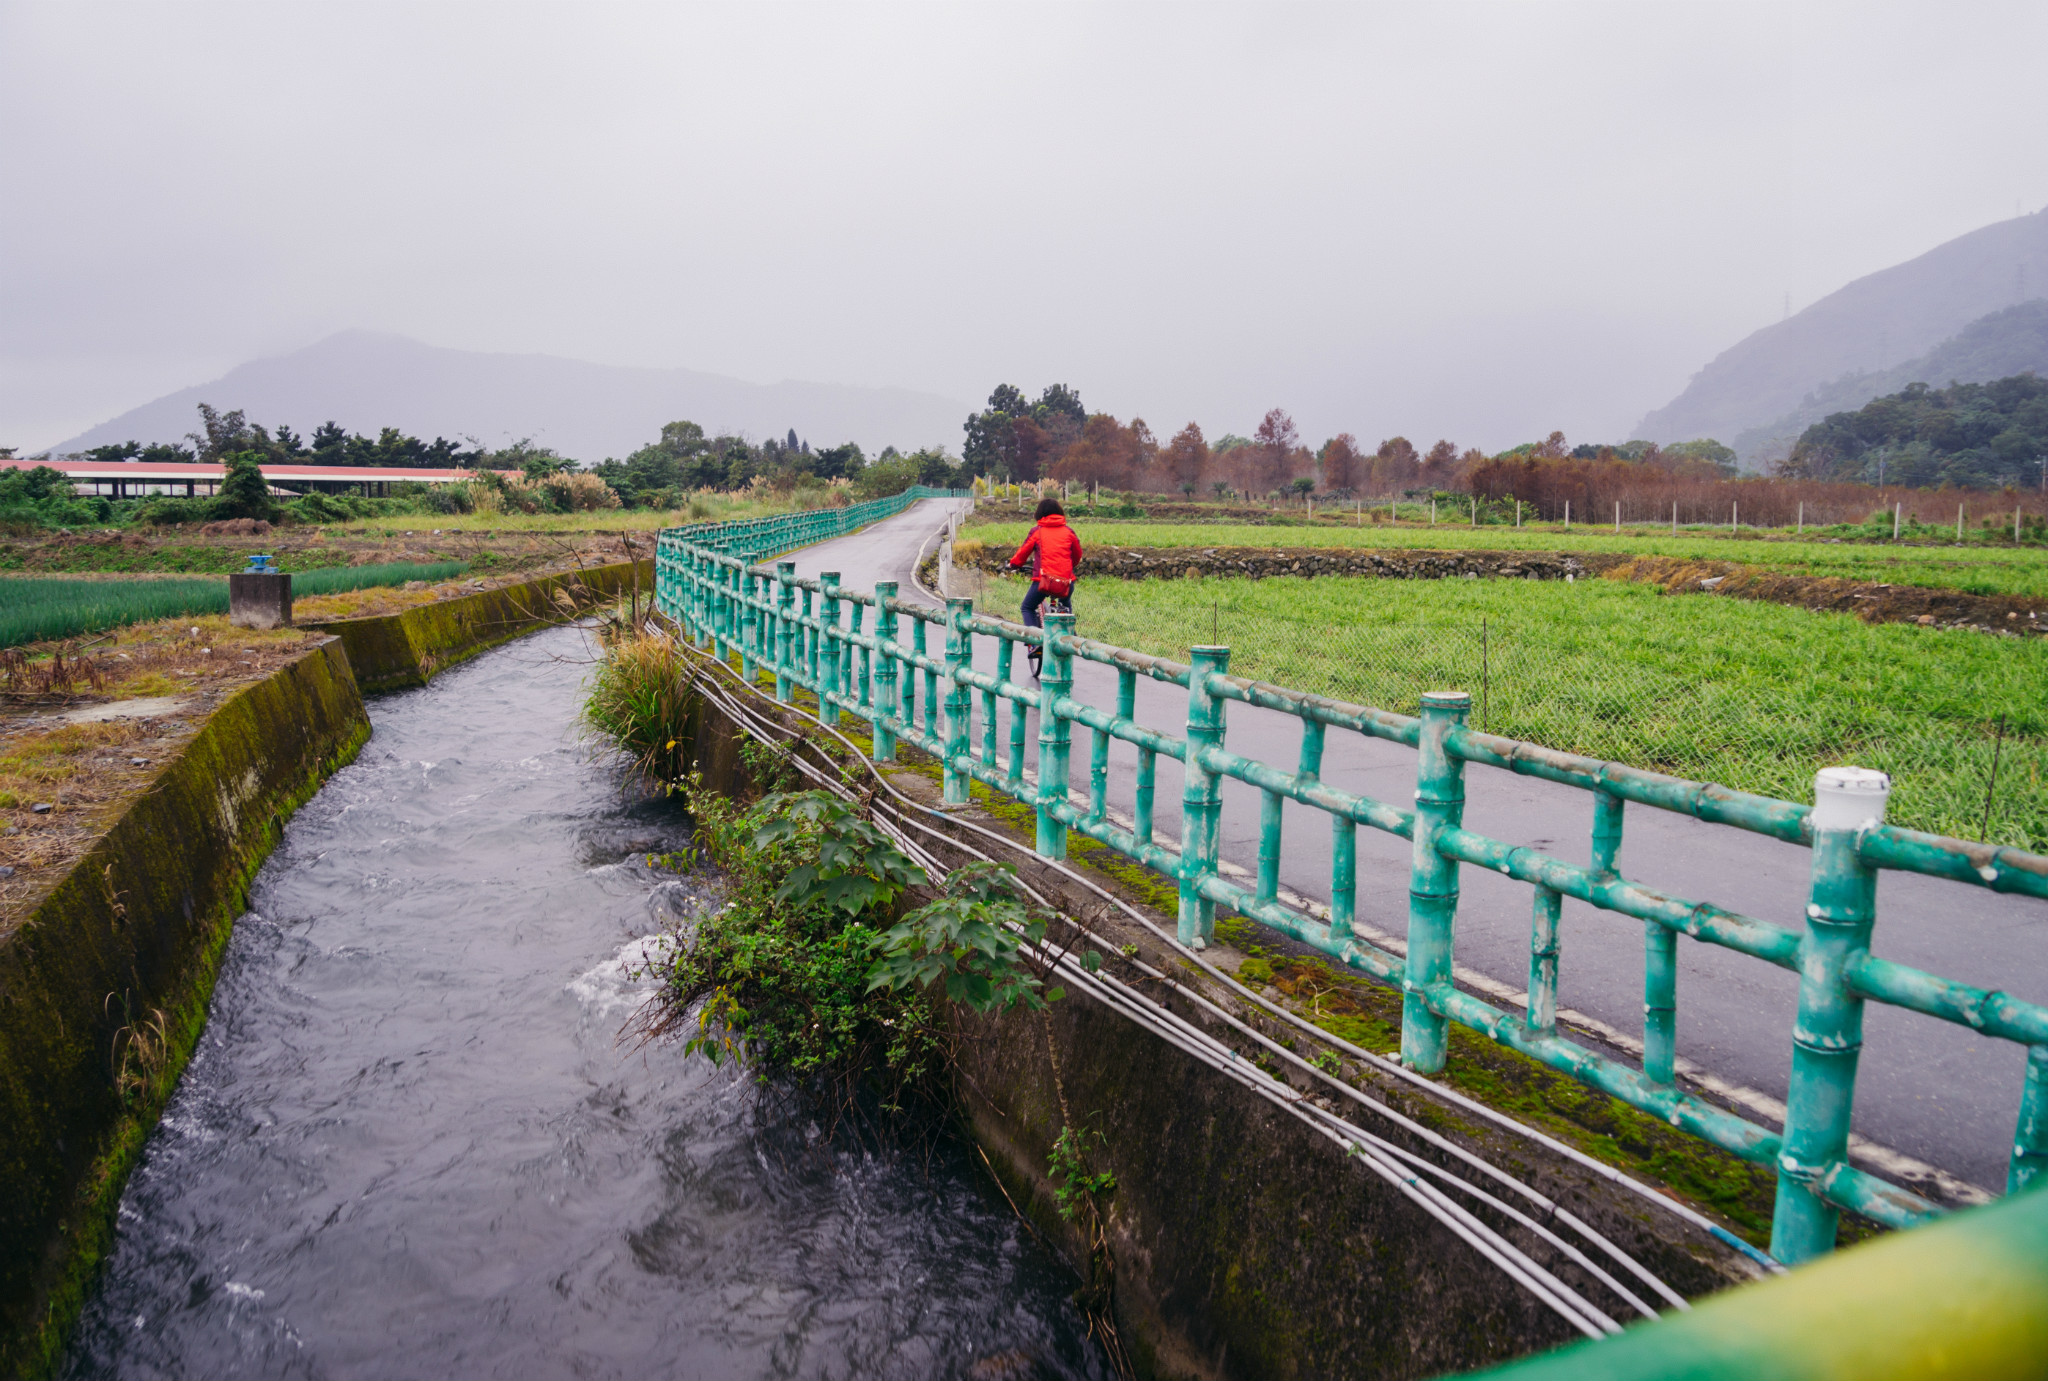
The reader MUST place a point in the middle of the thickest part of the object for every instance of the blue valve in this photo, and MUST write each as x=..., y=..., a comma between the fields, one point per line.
x=259, y=564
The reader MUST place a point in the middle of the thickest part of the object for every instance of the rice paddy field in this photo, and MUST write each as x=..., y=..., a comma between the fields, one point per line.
x=1754, y=696
x=39, y=609
x=1981, y=570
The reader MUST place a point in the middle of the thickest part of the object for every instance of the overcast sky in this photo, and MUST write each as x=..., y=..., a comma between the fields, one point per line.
x=1472, y=221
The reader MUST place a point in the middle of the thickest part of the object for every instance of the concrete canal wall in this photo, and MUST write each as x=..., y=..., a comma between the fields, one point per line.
x=393, y=651
x=105, y=981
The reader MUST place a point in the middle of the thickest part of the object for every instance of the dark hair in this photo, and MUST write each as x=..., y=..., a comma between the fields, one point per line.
x=1048, y=507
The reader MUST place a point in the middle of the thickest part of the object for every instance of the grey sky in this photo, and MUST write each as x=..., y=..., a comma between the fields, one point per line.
x=1474, y=221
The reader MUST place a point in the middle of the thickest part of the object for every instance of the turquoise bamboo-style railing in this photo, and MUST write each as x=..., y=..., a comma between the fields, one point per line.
x=814, y=635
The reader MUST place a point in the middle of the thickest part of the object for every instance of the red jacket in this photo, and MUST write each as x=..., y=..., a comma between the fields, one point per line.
x=1058, y=554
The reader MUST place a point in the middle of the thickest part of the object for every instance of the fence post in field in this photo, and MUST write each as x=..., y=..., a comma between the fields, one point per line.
x=1567, y=515
x=1959, y=522
x=959, y=701
x=1432, y=882
x=1201, y=797
x=1827, y=1033
x=1055, y=734
x=885, y=672
x=1617, y=517
x=1475, y=512
x=828, y=648
x=1734, y=516
x=1674, y=517
x=1895, y=520
x=1802, y=515
x=785, y=572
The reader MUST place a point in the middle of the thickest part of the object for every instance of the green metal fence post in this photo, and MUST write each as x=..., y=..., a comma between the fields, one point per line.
x=2030, y=1139
x=750, y=629
x=785, y=688
x=858, y=662
x=1013, y=776
x=828, y=648
x=1201, y=796
x=1541, y=1018
x=1098, y=747
x=1827, y=1033
x=1141, y=806
x=1432, y=881
x=1055, y=733
x=959, y=702
x=910, y=675
x=885, y=672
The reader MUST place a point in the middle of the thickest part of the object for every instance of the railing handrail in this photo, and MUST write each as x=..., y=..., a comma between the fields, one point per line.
x=813, y=634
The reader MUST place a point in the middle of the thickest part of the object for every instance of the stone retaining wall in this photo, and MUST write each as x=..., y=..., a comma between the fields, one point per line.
x=1169, y=563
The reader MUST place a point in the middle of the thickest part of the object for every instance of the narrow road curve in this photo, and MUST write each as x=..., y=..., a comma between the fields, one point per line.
x=1934, y=1092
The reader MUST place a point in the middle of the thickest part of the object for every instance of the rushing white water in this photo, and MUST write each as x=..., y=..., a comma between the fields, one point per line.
x=412, y=1142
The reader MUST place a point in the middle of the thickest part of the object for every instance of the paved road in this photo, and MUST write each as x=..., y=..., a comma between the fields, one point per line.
x=1929, y=1090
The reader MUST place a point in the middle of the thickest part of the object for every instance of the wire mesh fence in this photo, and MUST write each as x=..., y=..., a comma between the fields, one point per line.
x=1968, y=756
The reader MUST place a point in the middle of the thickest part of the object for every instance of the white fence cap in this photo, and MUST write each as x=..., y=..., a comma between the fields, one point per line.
x=1849, y=798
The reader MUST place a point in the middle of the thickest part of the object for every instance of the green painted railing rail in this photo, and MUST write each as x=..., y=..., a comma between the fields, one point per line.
x=1967, y=1298
x=923, y=689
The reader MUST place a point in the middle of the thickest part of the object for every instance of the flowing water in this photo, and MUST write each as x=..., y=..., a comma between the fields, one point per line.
x=411, y=1144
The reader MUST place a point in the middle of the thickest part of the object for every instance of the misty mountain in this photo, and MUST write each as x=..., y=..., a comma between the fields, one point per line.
x=365, y=381
x=1870, y=326
x=1998, y=346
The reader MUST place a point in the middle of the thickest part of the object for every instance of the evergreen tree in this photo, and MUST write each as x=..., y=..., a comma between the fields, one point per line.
x=245, y=493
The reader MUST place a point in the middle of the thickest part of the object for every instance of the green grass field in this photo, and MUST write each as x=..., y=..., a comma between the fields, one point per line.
x=36, y=609
x=1755, y=696
x=1979, y=570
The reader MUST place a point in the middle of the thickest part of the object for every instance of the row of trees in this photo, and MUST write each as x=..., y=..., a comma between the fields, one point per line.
x=683, y=458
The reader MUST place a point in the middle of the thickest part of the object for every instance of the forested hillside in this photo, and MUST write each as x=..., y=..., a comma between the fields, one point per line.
x=1978, y=436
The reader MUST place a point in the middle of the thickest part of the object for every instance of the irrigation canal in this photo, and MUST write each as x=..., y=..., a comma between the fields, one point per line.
x=410, y=1144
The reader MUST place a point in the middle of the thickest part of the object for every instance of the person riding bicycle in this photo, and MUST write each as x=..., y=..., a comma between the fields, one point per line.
x=1054, y=555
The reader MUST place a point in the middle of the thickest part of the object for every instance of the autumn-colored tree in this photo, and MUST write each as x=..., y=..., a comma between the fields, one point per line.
x=1273, y=450
x=1440, y=464
x=1107, y=453
x=1186, y=458
x=1553, y=447
x=1342, y=463
x=1393, y=466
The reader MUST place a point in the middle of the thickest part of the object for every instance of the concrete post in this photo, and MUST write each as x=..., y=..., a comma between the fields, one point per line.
x=1432, y=881
x=1827, y=1033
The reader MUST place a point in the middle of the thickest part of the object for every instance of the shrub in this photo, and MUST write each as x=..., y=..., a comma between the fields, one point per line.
x=244, y=493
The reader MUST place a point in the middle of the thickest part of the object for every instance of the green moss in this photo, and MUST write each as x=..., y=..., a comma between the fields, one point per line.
x=1368, y=1015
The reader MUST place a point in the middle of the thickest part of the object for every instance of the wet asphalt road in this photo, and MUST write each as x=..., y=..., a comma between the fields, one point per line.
x=1933, y=1091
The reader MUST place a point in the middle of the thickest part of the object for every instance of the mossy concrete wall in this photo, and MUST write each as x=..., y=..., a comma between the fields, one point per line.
x=104, y=984
x=393, y=651
x=1237, y=1241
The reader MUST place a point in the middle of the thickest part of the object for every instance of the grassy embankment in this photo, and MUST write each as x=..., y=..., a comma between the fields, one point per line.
x=37, y=609
x=1983, y=570
x=1755, y=696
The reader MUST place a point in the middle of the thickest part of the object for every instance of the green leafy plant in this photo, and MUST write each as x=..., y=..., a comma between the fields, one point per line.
x=1073, y=1187
x=856, y=866
x=969, y=941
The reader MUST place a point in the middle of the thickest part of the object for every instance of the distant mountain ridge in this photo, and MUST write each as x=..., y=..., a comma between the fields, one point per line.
x=1866, y=328
x=365, y=380
x=1998, y=346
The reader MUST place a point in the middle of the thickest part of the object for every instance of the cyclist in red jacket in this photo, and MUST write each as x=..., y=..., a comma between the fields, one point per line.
x=1053, y=553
